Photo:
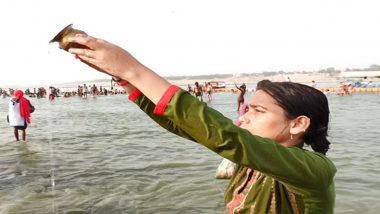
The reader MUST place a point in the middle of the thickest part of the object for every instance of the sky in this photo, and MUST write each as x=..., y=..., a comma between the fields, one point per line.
x=193, y=37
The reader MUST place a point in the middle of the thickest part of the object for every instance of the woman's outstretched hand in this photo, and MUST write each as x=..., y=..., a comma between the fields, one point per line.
x=115, y=61
x=104, y=56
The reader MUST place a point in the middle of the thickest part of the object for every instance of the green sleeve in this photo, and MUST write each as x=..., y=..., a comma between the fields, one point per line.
x=148, y=106
x=291, y=165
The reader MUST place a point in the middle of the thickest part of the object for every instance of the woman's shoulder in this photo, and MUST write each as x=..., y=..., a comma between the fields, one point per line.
x=317, y=158
x=324, y=166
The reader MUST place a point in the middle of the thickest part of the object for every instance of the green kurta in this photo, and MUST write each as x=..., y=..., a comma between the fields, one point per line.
x=270, y=178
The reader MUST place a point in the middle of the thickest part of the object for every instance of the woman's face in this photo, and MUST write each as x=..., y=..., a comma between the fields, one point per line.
x=266, y=119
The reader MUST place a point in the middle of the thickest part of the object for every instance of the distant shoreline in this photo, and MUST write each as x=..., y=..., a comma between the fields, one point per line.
x=229, y=80
x=322, y=79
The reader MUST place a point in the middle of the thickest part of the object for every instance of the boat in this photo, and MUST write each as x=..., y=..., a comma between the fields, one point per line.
x=218, y=84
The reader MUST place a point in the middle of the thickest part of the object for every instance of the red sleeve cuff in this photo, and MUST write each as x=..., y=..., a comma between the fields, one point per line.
x=165, y=99
x=134, y=95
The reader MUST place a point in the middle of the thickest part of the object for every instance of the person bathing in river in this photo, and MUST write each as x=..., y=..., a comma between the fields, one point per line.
x=275, y=173
x=209, y=90
x=240, y=100
x=198, y=92
x=19, y=113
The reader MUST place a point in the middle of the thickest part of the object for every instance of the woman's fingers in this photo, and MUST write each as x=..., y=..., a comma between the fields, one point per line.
x=85, y=59
x=83, y=39
x=84, y=56
x=82, y=52
x=88, y=62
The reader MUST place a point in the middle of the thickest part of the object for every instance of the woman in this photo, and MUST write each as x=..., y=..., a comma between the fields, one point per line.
x=19, y=113
x=274, y=173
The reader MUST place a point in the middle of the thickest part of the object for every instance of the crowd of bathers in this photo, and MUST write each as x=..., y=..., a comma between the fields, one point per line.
x=199, y=90
x=52, y=92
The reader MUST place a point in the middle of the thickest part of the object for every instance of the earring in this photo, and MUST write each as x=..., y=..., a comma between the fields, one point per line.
x=291, y=137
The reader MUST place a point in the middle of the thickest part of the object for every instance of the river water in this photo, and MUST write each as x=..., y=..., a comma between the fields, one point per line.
x=103, y=155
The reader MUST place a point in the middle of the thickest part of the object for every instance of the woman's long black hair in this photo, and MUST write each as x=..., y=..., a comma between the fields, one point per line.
x=297, y=100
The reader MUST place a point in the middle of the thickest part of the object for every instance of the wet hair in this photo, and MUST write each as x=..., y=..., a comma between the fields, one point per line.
x=297, y=100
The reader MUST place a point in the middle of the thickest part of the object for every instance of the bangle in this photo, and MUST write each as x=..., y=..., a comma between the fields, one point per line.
x=122, y=83
x=119, y=81
x=116, y=79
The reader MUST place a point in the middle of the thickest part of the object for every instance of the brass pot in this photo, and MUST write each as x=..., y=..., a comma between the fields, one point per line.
x=64, y=34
